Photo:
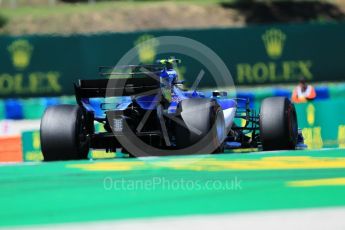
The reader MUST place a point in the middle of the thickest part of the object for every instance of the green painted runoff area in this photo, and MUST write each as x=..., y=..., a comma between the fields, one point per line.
x=118, y=189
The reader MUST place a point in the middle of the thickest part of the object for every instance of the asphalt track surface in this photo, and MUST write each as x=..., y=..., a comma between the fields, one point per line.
x=214, y=191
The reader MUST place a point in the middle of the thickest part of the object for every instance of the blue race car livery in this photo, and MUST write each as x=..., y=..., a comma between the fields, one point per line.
x=145, y=111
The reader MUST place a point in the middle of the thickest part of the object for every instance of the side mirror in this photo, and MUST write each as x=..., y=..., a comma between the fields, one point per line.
x=219, y=94
x=180, y=82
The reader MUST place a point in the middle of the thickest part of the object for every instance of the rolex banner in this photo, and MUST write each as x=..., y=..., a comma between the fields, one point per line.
x=33, y=66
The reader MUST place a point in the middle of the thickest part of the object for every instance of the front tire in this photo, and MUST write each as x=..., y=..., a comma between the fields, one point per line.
x=278, y=124
x=62, y=134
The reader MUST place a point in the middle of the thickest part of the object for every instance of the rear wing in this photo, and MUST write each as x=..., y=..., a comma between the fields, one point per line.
x=138, y=80
x=115, y=87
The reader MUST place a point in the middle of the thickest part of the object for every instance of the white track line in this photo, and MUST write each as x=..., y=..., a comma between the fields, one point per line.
x=314, y=219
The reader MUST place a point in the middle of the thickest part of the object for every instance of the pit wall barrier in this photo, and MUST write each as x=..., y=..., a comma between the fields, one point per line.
x=322, y=121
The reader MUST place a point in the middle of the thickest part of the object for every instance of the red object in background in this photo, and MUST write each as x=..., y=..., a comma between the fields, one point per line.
x=11, y=149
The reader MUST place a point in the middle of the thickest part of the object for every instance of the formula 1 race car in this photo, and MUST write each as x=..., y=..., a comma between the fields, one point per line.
x=146, y=112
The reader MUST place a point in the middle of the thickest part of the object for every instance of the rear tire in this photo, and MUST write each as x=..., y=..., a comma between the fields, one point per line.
x=63, y=134
x=278, y=124
x=204, y=126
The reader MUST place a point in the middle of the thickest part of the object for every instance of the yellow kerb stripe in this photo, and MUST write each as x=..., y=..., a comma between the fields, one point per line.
x=213, y=164
x=340, y=181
